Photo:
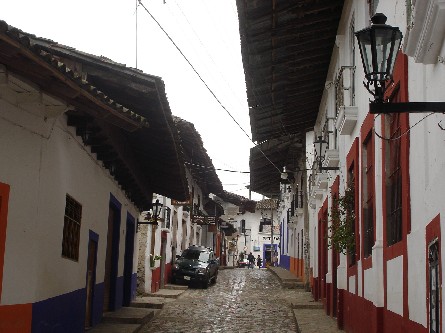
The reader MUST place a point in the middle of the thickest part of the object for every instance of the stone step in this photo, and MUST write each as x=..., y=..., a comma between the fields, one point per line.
x=115, y=328
x=292, y=279
x=166, y=293
x=306, y=305
x=292, y=285
x=148, y=302
x=128, y=315
x=175, y=287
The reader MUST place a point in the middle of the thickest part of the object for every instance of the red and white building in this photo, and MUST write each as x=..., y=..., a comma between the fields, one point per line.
x=392, y=281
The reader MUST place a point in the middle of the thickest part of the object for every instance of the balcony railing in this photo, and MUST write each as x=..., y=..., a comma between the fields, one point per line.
x=346, y=109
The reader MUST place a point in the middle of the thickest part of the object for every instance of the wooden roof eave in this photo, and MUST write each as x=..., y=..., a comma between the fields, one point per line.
x=35, y=65
x=275, y=38
x=264, y=176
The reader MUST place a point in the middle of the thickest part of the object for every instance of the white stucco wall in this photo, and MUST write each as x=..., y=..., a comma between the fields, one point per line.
x=394, y=285
x=42, y=161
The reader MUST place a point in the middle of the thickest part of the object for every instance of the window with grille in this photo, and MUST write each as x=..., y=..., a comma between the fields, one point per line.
x=393, y=179
x=368, y=195
x=167, y=217
x=71, y=229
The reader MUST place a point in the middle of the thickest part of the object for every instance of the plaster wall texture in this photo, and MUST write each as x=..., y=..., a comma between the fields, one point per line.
x=351, y=286
x=369, y=285
x=417, y=277
x=44, y=162
x=394, y=285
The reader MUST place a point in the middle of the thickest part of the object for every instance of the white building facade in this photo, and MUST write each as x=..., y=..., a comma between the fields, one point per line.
x=69, y=196
x=391, y=280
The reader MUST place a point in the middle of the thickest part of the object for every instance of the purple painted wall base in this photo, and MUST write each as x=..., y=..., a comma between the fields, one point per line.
x=285, y=261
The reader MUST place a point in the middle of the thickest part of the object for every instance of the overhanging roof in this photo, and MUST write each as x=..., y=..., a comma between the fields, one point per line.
x=281, y=152
x=286, y=48
x=196, y=158
x=121, y=113
x=238, y=200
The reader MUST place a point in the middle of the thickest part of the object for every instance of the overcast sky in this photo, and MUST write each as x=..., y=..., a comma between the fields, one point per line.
x=207, y=33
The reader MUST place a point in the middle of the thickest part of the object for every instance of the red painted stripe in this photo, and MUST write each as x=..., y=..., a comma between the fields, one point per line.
x=15, y=318
x=4, y=199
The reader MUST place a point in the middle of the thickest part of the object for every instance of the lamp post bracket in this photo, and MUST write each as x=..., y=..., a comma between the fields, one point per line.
x=408, y=107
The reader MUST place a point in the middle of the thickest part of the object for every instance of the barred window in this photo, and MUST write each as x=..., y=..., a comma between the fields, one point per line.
x=71, y=229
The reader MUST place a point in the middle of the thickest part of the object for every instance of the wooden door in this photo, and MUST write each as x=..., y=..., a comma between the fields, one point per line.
x=108, y=261
x=91, y=279
x=163, y=257
x=128, y=261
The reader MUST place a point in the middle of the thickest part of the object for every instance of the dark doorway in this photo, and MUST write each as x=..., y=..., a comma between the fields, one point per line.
x=91, y=281
x=128, y=260
x=163, y=257
x=112, y=256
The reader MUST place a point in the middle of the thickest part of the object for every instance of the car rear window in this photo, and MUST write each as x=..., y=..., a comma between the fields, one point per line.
x=197, y=255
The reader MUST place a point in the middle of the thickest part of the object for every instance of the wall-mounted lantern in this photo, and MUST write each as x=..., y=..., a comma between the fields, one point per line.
x=321, y=145
x=152, y=218
x=379, y=45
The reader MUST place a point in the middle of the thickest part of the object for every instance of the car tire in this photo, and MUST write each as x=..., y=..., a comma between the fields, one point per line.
x=215, y=277
x=206, y=282
x=173, y=280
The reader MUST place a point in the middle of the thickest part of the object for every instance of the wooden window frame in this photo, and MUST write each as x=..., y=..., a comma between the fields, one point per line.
x=352, y=166
x=368, y=189
x=71, y=229
x=4, y=201
x=397, y=92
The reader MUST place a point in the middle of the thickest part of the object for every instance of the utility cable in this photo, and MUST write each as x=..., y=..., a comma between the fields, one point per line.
x=136, y=32
x=208, y=54
x=202, y=80
x=404, y=133
x=213, y=168
x=196, y=72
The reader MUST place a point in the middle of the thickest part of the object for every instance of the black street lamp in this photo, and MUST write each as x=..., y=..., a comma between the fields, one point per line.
x=153, y=217
x=379, y=45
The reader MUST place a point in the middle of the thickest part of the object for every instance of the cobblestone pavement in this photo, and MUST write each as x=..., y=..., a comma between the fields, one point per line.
x=243, y=300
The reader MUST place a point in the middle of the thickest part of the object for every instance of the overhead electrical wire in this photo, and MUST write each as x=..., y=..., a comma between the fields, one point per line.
x=404, y=133
x=208, y=53
x=212, y=168
x=206, y=85
x=194, y=69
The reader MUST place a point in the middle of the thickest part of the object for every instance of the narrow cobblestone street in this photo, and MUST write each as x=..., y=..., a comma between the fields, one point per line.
x=243, y=300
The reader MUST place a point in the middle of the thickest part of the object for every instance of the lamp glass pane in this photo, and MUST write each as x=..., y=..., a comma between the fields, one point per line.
x=397, y=41
x=383, y=41
x=364, y=42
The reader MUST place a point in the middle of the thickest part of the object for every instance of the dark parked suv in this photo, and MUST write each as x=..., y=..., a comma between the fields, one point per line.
x=196, y=264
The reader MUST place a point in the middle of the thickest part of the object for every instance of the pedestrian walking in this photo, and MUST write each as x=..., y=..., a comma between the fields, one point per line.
x=251, y=259
x=259, y=261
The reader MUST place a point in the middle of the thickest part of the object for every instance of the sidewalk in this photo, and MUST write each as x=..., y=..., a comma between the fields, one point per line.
x=309, y=315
